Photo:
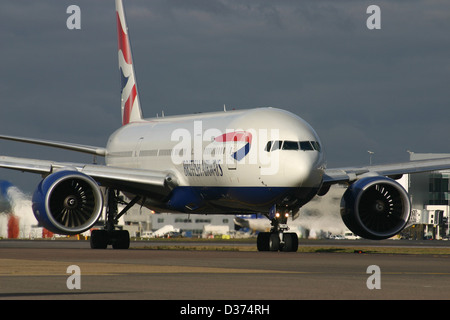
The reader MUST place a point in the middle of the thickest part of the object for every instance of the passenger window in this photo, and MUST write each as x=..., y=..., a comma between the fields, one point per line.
x=290, y=145
x=268, y=146
x=306, y=146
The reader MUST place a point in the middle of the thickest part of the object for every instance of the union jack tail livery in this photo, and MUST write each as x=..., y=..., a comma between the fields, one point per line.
x=131, y=108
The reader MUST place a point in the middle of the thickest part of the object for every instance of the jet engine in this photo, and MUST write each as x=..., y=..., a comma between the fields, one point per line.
x=375, y=208
x=67, y=202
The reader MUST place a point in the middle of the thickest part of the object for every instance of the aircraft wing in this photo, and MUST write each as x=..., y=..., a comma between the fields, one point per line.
x=62, y=145
x=348, y=175
x=122, y=178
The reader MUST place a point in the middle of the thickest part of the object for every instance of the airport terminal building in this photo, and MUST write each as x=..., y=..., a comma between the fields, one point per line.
x=430, y=200
x=142, y=222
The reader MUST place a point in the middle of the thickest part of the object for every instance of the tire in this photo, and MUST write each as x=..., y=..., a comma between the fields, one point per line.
x=99, y=239
x=290, y=242
x=262, y=242
x=120, y=239
x=274, y=242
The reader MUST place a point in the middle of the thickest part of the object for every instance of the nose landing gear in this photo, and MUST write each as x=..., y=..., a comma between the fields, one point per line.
x=278, y=239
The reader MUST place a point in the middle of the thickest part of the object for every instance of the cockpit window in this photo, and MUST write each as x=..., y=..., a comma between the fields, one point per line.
x=277, y=145
x=292, y=145
x=306, y=146
x=316, y=145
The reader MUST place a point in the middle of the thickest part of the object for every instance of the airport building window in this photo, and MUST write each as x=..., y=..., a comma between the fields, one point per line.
x=202, y=220
x=183, y=220
x=439, y=188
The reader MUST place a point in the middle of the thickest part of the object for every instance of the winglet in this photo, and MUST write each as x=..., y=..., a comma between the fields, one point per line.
x=131, y=108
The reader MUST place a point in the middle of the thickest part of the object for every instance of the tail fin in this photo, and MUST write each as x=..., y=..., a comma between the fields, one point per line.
x=131, y=108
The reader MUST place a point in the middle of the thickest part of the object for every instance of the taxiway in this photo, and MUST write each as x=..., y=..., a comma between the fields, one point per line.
x=38, y=270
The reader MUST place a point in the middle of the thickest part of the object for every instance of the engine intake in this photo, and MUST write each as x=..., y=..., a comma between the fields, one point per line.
x=67, y=202
x=375, y=208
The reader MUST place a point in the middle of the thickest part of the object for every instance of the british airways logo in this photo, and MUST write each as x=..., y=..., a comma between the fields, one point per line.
x=238, y=138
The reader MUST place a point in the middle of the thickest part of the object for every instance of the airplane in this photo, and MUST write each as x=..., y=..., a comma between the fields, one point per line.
x=263, y=160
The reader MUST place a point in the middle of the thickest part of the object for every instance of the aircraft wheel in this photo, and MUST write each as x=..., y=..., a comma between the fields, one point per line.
x=274, y=242
x=120, y=239
x=262, y=242
x=99, y=239
x=290, y=242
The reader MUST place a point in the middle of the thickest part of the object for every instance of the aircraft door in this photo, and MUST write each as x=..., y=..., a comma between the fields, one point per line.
x=231, y=151
x=137, y=152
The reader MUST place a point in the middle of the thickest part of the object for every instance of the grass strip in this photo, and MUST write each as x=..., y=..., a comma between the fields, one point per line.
x=306, y=249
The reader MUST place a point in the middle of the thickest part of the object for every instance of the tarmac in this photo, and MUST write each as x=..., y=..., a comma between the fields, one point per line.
x=44, y=270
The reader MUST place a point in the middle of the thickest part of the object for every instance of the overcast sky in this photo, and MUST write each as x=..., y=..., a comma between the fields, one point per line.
x=384, y=90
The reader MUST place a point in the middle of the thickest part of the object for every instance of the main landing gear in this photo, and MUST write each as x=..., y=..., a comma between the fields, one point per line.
x=119, y=239
x=278, y=239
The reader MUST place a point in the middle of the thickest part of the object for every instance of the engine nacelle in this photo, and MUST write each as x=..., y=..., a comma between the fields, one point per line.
x=67, y=202
x=375, y=208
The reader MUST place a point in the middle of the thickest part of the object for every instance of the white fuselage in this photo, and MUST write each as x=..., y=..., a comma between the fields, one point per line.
x=227, y=160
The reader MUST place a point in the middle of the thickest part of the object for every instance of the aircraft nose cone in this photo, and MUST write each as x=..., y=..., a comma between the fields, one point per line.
x=303, y=169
